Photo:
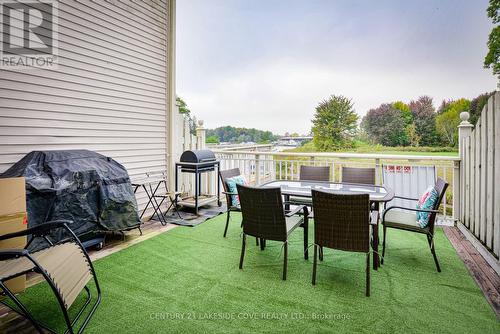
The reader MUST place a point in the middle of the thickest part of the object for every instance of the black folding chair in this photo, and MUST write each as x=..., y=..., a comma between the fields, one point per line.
x=155, y=187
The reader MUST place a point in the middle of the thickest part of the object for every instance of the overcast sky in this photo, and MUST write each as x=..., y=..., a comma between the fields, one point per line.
x=267, y=63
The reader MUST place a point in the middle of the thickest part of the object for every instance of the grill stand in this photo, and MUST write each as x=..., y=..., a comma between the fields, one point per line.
x=198, y=169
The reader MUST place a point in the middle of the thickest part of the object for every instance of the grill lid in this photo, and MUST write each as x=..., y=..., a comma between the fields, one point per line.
x=198, y=156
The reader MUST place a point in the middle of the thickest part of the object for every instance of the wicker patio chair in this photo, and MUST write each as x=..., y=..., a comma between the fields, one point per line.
x=264, y=217
x=65, y=266
x=358, y=175
x=314, y=173
x=343, y=222
x=310, y=173
x=404, y=218
x=224, y=175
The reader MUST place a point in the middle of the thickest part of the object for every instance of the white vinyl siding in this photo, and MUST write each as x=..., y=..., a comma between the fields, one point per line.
x=108, y=94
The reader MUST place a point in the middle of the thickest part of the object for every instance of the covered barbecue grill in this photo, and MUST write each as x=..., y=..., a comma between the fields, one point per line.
x=198, y=162
x=85, y=187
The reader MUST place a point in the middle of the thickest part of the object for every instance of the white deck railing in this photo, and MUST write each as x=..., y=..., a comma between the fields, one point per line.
x=259, y=167
x=480, y=177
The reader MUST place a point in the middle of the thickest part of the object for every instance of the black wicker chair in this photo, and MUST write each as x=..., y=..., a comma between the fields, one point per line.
x=224, y=175
x=343, y=222
x=358, y=175
x=264, y=217
x=65, y=266
x=404, y=218
x=314, y=173
x=310, y=173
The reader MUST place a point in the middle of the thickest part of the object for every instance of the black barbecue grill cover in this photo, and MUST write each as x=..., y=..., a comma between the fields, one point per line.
x=88, y=188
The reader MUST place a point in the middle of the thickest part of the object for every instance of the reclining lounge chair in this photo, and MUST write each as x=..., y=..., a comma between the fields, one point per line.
x=65, y=266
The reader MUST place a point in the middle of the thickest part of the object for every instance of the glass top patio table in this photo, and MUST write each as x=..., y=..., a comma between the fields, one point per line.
x=303, y=189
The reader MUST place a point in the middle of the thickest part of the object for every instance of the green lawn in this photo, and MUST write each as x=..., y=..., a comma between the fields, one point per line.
x=187, y=281
x=398, y=152
x=378, y=149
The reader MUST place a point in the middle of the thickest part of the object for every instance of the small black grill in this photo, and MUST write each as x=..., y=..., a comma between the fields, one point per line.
x=198, y=162
x=201, y=160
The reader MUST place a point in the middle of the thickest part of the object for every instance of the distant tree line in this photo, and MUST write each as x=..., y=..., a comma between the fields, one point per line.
x=239, y=135
x=418, y=123
x=227, y=133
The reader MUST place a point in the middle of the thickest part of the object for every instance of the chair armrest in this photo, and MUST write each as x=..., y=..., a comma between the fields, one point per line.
x=406, y=198
x=229, y=193
x=38, y=230
x=297, y=210
x=408, y=209
x=374, y=215
x=7, y=254
x=291, y=203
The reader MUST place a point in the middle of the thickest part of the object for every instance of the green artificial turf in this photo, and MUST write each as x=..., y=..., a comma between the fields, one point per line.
x=187, y=281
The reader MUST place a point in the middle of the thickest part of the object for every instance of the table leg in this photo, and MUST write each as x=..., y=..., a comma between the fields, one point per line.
x=176, y=178
x=376, y=258
x=219, y=203
x=196, y=191
x=306, y=236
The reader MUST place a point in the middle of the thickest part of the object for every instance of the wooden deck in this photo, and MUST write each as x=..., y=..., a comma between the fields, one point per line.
x=483, y=274
x=486, y=278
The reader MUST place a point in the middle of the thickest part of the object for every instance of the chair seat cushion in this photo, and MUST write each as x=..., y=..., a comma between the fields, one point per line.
x=301, y=200
x=292, y=223
x=406, y=220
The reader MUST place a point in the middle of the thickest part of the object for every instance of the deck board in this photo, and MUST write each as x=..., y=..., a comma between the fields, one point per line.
x=486, y=278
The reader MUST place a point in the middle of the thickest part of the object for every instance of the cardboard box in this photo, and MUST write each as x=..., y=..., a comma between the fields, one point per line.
x=11, y=224
x=13, y=219
x=12, y=196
